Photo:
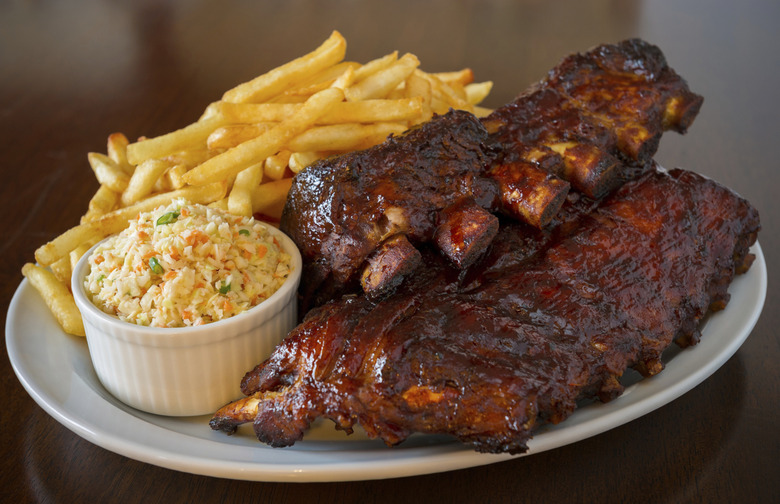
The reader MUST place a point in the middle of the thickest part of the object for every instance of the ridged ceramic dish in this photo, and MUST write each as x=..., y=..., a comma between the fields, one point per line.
x=189, y=370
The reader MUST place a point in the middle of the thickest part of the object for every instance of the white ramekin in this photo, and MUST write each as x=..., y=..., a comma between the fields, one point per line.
x=189, y=370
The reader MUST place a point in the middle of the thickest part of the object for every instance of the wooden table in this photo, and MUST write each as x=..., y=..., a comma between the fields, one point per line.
x=74, y=72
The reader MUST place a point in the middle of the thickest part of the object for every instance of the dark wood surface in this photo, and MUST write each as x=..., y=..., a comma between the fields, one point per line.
x=73, y=72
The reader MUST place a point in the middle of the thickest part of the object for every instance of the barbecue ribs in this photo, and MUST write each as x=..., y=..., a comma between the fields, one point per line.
x=593, y=114
x=545, y=318
x=368, y=207
x=359, y=218
x=519, y=297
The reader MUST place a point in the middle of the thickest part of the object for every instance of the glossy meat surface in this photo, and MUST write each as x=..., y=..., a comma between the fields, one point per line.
x=340, y=210
x=595, y=117
x=545, y=318
x=595, y=113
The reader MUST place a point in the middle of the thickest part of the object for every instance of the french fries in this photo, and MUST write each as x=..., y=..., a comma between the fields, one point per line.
x=57, y=297
x=116, y=146
x=366, y=111
x=240, y=199
x=230, y=162
x=143, y=180
x=194, y=135
x=282, y=78
x=344, y=137
x=107, y=172
x=241, y=153
x=382, y=82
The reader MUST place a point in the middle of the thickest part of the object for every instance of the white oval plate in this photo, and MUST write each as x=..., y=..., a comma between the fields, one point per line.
x=56, y=371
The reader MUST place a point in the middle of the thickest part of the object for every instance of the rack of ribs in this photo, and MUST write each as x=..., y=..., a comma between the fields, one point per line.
x=359, y=219
x=546, y=317
x=594, y=114
x=367, y=207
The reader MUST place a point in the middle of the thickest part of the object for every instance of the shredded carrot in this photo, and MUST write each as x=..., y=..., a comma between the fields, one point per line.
x=185, y=212
x=174, y=254
x=196, y=237
x=99, y=259
x=169, y=275
x=262, y=250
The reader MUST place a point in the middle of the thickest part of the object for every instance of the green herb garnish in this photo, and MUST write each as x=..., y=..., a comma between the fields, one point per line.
x=155, y=266
x=224, y=289
x=244, y=232
x=168, y=218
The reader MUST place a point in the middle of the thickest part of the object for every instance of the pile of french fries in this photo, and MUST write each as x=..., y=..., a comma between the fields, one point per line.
x=242, y=153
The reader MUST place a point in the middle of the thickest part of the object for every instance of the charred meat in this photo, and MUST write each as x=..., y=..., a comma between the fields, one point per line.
x=345, y=213
x=545, y=318
x=594, y=114
x=511, y=266
x=359, y=218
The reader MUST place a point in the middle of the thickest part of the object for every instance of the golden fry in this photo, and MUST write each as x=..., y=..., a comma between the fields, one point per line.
x=340, y=80
x=300, y=160
x=478, y=91
x=57, y=297
x=281, y=78
x=240, y=198
x=375, y=66
x=379, y=84
x=62, y=270
x=253, y=151
x=329, y=75
x=419, y=87
x=75, y=254
x=107, y=172
x=187, y=138
x=482, y=111
x=220, y=204
x=377, y=110
x=345, y=80
x=365, y=111
x=143, y=180
x=189, y=158
x=176, y=175
x=230, y=136
x=445, y=93
x=275, y=165
x=210, y=112
x=102, y=202
x=461, y=77
x=253, y=113
x=117, y=151
x=270, y=195
x=344, y=137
